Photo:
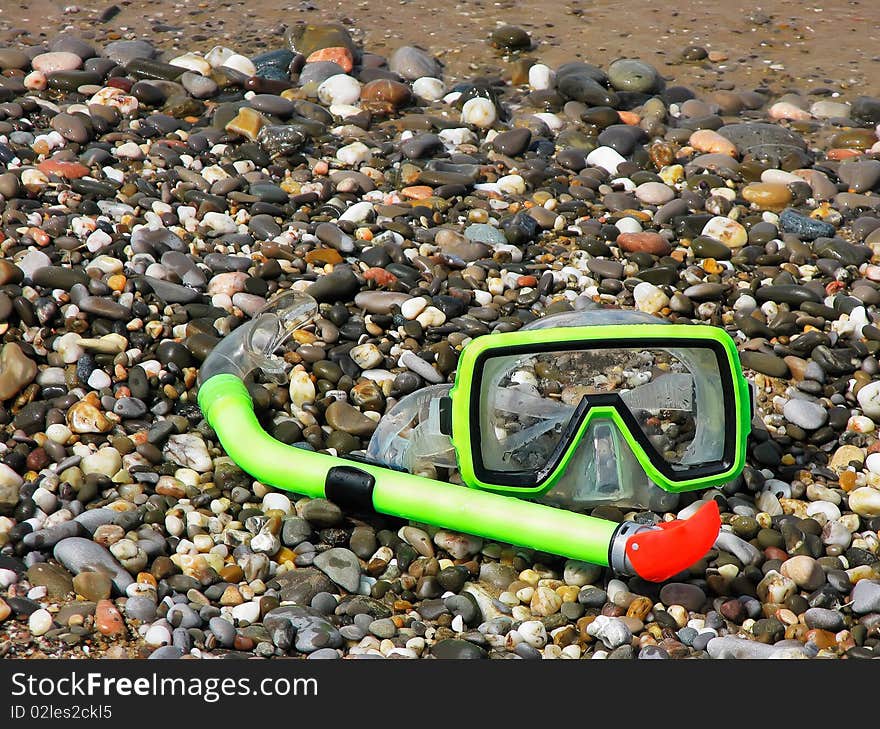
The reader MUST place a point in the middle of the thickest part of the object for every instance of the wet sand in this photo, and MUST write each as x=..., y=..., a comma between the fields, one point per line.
x=780, y=45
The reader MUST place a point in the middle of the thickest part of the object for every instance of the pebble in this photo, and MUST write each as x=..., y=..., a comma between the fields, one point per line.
x=865, y=501
x=649, y=298
x=806, y=414
x=40, y=622
x=478, y=112
x=342, y=566
x=866, y=597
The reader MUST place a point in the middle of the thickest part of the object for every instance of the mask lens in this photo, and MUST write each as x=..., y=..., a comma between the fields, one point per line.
x=527, y=400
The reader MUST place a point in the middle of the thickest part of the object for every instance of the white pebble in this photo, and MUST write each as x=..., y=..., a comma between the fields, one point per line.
x=429, y=88
x=628, y=224
x=411, y=308
x=247, y=612
x=240, y=63
x=354, y=154
x=865, y=501
x=479, y=112
x=277, y=501
x=98, y=240
x=869, y=400
x=649, y=298
x=512, y=185
x=366, y=356
x=40, y=622
x=553, y=121
x=605, y=157
x=541, y=77
x=431, y=317
x=219, y=223
x=158, y=635
x=129, y=150
x=302, y=389
x=339, y=89
x=359, y=212
x=192, y=62
x=218, y=55
x=99, y=379
x=534, y=633
x=872, y=463
x=58, y=433
x=861, y=424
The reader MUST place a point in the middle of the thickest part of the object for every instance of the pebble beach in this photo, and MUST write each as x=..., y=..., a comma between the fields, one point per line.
x=164, y=174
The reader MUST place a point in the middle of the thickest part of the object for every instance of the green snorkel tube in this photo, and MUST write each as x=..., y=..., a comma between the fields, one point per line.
x=362, y=487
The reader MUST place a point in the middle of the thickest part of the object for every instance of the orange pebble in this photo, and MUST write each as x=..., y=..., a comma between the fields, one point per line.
x=284, y=555
x=62, y=168
x=848, y=480
x=524, y=281
x=339, y=55
x=138, y=438
x=839, y=154
x=321, y=167
x=380, y=276
x=117, y=282
x=145, y=578
x=108, y=620
x=40, y=237
x=417, y=192
x=629, y=117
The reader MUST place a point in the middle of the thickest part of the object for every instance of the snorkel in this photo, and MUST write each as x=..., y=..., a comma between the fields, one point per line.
x=652, y=552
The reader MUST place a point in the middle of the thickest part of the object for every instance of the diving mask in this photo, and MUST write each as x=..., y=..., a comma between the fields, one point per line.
x=581, y=409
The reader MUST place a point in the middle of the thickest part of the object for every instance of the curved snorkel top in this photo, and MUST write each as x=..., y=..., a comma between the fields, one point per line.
x=364, y=487
x=253, y=345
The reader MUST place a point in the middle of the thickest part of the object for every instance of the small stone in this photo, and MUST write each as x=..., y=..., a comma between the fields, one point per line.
x=805, y=414
x=728, y=231
x=16, y=370
x=411, y=63
x=767, y=196
x=188, y=450
x=866, y=597
x=93, y=586
x=40, y=622
x=865, y=501
x=342, y=566
x=649, y=298
x=248, y=123
x=108, y=620
x=479, y=112
x=806, y=572
x=613, y=632
x=342, y=416
x=455, y=648
x=339, y=89
x=545, y=602
x=84, y=417
x=56, y=61
x=681, y=593
x=775, y=587
x=645, y=242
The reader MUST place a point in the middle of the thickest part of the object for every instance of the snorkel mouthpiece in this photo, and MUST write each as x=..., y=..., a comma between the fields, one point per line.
x=656, y=553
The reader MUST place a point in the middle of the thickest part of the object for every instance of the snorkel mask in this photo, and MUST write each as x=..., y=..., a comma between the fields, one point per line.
x=570, y=412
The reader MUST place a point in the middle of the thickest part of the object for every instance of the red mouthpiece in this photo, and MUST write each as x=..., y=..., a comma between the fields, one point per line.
x=658, y=554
